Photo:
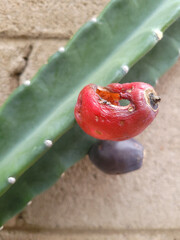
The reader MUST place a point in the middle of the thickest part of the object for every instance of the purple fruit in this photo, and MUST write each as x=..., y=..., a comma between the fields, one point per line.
x=117, y=157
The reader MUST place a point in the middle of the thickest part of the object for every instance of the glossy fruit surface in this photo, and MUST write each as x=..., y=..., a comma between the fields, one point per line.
x=117, y=157
x=99, y=113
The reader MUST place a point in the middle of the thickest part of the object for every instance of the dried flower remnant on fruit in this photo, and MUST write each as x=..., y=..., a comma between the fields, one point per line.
x=152, y=99
x=98, y=110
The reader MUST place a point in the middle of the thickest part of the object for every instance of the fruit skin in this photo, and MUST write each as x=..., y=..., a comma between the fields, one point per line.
x=100, y=115
x=117, y=157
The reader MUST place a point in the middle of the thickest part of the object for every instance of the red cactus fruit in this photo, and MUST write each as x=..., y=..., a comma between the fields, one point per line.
x=99, y=113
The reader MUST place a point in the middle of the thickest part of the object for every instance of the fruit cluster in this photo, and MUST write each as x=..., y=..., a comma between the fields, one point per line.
x=99, y=113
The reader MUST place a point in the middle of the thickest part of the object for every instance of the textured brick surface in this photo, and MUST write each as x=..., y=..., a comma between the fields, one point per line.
x=13, y=61
x=21, y=59
x=46, y=18
x=95, y=235
x=41, y=51
x=85, y=203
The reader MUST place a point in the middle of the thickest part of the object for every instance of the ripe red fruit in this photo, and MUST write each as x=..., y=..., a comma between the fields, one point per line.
x=99, y=113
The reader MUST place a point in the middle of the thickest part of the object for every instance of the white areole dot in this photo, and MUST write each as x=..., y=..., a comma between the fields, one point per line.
x=62, y=175
x=29, y=203
x=158, y=34
x=125, y=68
x=11, y=180
x=61, y=49
x=94, y=19
x=48, y=143
x=27, y=82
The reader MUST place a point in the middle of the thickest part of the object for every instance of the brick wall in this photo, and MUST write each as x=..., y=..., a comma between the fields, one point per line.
x=87, y=204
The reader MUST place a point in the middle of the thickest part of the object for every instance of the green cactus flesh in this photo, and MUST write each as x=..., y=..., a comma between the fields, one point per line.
x=74, y=144
x=159, y=60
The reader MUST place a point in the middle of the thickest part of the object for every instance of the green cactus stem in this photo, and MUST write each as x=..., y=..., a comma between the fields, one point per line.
x=101, y=52
x=74, y=144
